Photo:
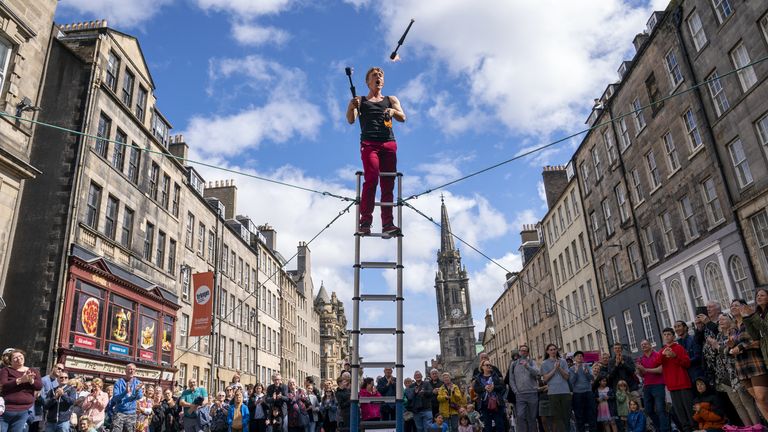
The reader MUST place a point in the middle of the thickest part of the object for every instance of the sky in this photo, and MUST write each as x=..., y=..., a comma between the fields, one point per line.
x=258, y=86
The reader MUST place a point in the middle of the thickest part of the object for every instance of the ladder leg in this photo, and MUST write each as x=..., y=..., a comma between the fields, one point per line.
x=354, y=409
x=399, y=409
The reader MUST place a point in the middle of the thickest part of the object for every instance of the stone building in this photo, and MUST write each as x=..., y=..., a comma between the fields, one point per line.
x=537, y=293
x=488, y=338
x=454, y=311
x=733, y=110
x=566, y=238
x=24, y=40
x=117, y=226
x=334, y=339
x=308, y=319
x=509, y=323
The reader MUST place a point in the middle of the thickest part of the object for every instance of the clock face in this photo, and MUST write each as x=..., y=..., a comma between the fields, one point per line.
x=456, y=313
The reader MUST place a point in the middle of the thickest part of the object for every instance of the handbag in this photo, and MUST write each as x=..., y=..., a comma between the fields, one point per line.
x=493, y=402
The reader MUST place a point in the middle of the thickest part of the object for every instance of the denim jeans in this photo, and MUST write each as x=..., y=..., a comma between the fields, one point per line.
x=58, y=427
x=422, y=419
x=655, y=405
x=14, y=421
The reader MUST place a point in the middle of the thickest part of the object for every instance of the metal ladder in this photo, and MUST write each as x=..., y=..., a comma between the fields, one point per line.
x=397, y=365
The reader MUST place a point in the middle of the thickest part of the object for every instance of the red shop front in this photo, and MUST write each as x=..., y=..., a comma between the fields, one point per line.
x=112, y=317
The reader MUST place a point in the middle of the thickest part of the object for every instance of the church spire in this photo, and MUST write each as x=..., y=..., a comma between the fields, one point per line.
x=446, y=237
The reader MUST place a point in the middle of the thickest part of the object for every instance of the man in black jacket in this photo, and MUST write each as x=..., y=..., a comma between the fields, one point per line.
x=343, y=396
x=436, y=383
x=387, y=386
x=421, y=405
x=277, y=396
x=59, y=403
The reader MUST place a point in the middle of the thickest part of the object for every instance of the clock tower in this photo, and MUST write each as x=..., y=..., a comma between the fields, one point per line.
x=454, y=312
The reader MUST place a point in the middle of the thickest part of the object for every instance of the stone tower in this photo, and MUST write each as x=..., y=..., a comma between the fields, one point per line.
x=454, y=312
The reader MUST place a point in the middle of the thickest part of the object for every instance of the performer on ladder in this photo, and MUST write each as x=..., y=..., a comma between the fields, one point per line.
x=378, y=149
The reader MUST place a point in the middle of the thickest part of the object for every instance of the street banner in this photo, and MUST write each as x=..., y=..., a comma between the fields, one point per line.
x=202, y=312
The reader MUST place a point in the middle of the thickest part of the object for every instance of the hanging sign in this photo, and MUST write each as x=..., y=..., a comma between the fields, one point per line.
x=202, y=312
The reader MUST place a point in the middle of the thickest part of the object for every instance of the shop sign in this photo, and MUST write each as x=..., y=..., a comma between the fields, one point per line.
x=118, y=349
x=146, y=355
x=96, y=367
x=85, y=342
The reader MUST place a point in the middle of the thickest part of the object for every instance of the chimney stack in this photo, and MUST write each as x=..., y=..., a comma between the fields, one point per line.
x=555, y=181
x=226, y=192
x=270, y=235
x=179, y=148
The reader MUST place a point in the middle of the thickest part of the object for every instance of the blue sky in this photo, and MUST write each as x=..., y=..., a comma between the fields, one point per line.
x=259, y=86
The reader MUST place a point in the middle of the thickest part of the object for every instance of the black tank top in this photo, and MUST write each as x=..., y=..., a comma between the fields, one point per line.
x=373, y=124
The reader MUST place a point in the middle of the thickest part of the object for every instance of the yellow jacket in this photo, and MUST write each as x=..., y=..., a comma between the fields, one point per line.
x=450, y=403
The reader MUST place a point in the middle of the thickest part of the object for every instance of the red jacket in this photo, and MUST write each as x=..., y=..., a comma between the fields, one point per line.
x=675, y=369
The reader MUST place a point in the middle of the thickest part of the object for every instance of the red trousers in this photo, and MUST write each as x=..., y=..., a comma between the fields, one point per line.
x=377, y=157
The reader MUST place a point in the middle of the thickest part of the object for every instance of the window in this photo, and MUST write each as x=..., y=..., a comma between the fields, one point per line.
x=669, y=146
x=211, y=243
x=677, y=299
x=592, y=302
x=154, y=178
x=596, y=163
x=583, y=248
x=224, y=259
x=128, y=88
x=113, y=68
x=673, y=69
x=637, y=114
x=739, y=278
x=650, y=246
x=694, y=292
x=585, y=176
x=634, y=260
x=176, y=198
x=762, y=131
x=560, y=218
x=231, y=357
x=614, y=329
x=595, y=228
x=692, y=129
x=127, y=231
x=741, y=61
x=576, y=309
x=118, y=152
x=697, y=31
x=141, y=103
x=760, y=226
x=605, y=279
x=764, y=26
x=740, y=164
x=5, y=60
x=171, y=256
x=645, y=314
x=624, y=139
x=637, y=187
x=557, y=272
x=690, y=228
x=149, y=240
x=584, y=306
x=165, y=191
x=711, y=202
x=568, y=262
x=621, y=202
x=717, y=93
x=562, y=266
x=102, y=135
x=110, y=217
x=607, y=216
x=653, y=170
x=567, y=207
x=575, y=255
x=665, y=220
x=183, y=329
x=661, y=303
x=610, y=147
x=133, y=164
x=93, y=206
x=160, y=252
x=201, y=239
x=616, y=267
x=630, y=330
x=714, y=284
x=190, y=237
x=723, y=9
x=575, y=202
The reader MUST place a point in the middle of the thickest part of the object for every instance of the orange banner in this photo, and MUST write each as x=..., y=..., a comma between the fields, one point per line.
x=202, y=312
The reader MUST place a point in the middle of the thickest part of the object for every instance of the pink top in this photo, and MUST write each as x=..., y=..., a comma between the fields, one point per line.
x=369, y=410
x=94, y=406
x=649, y=362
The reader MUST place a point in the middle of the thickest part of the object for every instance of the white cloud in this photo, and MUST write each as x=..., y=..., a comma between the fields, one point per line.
x=487, y=284
x=525, y=217
x=275, y=121
x=535, y=65
x=247, y=8
x=254, y=34
x=117, y=12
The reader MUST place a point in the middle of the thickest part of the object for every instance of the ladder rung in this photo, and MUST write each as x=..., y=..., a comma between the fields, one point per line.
x=378, y=297
x=378, y=330
x=389, y=174
x=373, y=234
x=364, y=399
x=377, y=365
x=378, y=264
x=385, y=204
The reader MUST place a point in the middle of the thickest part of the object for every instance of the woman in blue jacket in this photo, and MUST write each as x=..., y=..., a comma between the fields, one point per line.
x=238, y=416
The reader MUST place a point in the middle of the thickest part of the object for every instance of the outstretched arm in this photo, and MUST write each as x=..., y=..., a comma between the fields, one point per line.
x=396, y=111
